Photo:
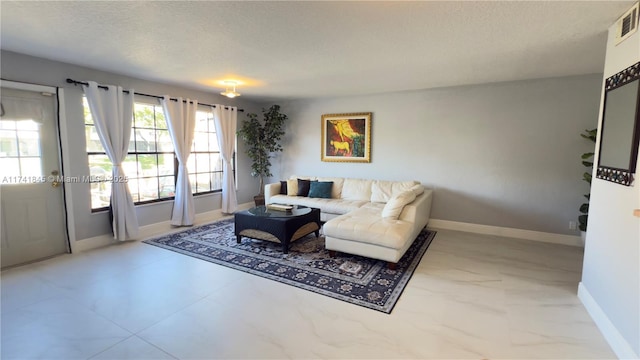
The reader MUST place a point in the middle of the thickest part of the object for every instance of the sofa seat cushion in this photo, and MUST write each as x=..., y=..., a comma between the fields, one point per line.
x=330, y=206
x=366, y=225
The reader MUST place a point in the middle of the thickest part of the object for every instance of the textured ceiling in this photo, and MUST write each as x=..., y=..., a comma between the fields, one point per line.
x=316, y=49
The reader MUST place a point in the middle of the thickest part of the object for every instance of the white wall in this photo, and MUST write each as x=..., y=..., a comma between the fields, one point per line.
x=610, y=285
x=503, y=154
x=23, y=68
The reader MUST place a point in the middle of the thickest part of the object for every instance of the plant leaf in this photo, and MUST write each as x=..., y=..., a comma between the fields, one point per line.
x=584, y=208
x=582, y=219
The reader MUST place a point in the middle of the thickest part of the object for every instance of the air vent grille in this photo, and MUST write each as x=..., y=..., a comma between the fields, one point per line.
x=627, y=24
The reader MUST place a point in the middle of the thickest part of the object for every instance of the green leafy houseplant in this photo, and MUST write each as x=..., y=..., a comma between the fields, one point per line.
x=587, y=161
x=263, y=139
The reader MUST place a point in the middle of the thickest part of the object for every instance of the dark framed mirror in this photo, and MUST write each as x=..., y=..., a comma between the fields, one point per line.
x=620, y=131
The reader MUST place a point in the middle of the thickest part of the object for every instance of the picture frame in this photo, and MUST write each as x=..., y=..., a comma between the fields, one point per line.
x=346, y=137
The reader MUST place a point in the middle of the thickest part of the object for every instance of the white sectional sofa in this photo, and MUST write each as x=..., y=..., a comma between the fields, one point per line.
x=372, y=218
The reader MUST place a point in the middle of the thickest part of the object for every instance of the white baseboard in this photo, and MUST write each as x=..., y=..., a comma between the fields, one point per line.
x=506, y=232
x=151, y=230
x=92, y=243
x=618, y=344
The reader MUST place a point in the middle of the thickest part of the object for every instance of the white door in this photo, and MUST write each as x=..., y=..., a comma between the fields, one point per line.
x=32, y=213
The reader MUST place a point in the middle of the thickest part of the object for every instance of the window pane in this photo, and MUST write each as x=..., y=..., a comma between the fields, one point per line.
x=100, y=194
x=8, y=143
x=148, y=188
x=216, y=181
x=167, y=187
x=216, y=162
x=203, y=181
x=88, y=119
x=93, y=141
x=30, y=166
x=145, y=140
x=144, y=116
x=132, y=142
x=202, y=163
x=164, y=141
x=7, y=124
x=202, y=120
x=133, y=189
x=29, y=143
x=9, y=167
x=100, y=167
x=161, y=123
x=201, y=141
x=166, y=165
x=191, y=164
x=213, y=142
x=130, y=166
x=148, y=164
x=192, y=181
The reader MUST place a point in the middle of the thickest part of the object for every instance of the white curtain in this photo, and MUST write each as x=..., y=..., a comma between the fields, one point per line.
x=112, y=112
x=225, y=120
x=181, y=120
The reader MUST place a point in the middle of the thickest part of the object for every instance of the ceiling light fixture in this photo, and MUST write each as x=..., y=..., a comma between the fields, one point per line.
x=232, y=93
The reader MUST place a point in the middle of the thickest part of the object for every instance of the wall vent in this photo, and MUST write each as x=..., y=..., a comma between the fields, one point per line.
x=627, y=24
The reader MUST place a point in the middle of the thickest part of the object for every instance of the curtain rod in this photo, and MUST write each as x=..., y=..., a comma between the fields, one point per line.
x=75, y=82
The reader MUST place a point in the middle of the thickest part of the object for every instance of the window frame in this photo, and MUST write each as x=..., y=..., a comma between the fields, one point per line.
x=158, y=153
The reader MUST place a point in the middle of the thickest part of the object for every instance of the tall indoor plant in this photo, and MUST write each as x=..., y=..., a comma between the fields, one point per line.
x=262, y=139
x=587, y=161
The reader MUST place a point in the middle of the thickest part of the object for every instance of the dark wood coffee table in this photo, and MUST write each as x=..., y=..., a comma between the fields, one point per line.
x=277, y=226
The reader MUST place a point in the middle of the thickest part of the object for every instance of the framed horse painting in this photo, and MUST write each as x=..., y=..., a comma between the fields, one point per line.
x=346, y=137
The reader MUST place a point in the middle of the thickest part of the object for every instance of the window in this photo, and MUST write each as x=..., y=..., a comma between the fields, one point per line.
x=205, y=162
x=20, y=149
x=151, y=165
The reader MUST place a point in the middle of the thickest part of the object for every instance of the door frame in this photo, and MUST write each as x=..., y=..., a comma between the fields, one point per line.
x=63, y=157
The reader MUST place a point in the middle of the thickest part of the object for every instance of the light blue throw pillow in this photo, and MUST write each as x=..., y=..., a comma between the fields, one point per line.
x=320, y=189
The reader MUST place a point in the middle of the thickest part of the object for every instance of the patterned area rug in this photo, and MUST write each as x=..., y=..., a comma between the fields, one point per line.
x=358, y=280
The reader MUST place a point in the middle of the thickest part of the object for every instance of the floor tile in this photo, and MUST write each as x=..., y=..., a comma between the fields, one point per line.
x=56, y=328
x=471, y=297
x=133, y=348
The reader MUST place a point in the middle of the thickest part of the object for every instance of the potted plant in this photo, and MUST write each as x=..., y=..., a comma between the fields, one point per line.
x=587, y=162
x=262, y=139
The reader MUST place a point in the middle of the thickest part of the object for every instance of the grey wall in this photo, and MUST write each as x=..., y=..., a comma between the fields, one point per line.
x=503, y=154
x=19, y=67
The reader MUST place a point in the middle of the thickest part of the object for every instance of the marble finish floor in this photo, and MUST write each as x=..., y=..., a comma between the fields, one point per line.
x=472, y=297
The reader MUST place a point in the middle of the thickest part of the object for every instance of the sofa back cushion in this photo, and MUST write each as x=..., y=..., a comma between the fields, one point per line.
x=336, y=189
x=320, y=189
x=283, y=187
x=394, y=206
x=356, y=189
x=292, y=187
x=303, y=187
x=383, y=191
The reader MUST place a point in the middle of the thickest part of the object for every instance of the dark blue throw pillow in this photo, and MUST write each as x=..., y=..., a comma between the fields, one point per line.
x=303, y=187
x=320, y=189
x=283, y=187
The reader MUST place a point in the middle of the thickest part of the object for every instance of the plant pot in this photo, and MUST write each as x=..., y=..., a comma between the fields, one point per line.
x=259, y=200
x=583, y=237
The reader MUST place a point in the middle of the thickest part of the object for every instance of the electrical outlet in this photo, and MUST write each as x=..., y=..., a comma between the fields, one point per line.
x=572, y=225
